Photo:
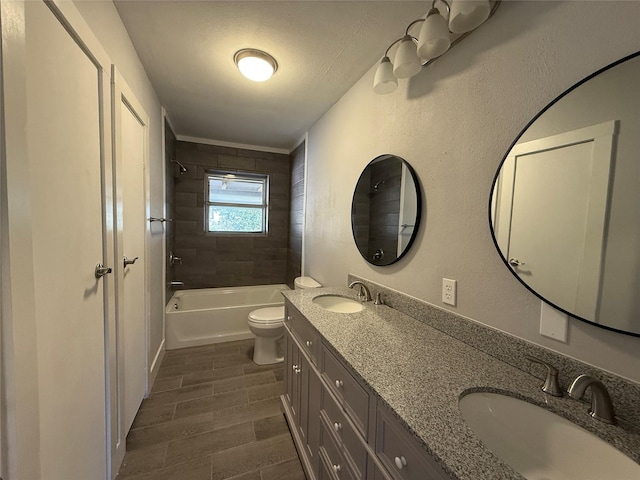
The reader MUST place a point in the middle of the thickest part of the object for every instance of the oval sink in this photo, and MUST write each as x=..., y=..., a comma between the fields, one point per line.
x=540, y=444
x=336, y=303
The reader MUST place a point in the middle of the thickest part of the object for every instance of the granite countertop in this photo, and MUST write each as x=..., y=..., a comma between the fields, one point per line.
x=421, y=373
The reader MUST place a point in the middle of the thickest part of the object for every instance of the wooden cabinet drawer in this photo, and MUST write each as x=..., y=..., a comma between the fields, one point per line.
x=334, y=464
x=354, y=398
x=353, y=446
x=307, y=335
x=400, y=453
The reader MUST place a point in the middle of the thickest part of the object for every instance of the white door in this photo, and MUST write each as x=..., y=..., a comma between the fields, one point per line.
x=132, y=133
x=65, y=105
x=552, y=230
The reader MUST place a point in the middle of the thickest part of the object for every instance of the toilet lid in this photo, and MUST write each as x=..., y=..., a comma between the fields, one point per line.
x=267, y=315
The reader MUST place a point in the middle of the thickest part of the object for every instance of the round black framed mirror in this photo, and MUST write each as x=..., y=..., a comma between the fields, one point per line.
x=564, y=202
x=386, y=209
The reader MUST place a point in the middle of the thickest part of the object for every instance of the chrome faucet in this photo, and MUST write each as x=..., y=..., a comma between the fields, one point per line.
x=364, y=295
x=601, y=405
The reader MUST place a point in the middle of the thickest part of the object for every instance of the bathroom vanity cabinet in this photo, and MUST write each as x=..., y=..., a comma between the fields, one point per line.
x=341, y=429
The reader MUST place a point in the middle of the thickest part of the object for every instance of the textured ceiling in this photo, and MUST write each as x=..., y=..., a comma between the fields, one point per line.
x=322, y=48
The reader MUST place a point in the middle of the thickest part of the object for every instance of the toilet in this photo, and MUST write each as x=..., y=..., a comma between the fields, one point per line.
x=267, y=324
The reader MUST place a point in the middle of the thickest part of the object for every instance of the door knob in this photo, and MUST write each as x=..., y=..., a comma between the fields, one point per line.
x=101, y=270
x=126, y=261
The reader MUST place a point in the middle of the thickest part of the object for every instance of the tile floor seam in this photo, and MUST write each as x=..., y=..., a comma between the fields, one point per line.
x=188, y=429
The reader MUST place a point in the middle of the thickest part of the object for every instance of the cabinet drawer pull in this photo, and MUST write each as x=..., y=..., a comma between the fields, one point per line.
x=337, y=468
x=339, y=383
x=400, y=462
x=337, y=426
x=309, y=343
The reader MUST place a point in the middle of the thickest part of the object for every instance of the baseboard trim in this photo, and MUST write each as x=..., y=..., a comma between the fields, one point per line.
x=155, y=365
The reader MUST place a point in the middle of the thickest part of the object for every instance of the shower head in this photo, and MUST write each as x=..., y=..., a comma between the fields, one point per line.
x=182, y=168
x=377, y=185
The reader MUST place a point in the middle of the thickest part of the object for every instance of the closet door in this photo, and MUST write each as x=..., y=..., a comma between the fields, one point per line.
x=131, y=154
x=65, y=96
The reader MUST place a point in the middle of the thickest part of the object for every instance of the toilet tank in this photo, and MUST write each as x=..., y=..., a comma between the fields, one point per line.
x=305, y=282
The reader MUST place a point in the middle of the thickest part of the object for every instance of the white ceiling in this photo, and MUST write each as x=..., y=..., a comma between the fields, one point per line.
x=322, y=48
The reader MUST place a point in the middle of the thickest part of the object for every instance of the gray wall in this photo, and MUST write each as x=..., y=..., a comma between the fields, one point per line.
x=210, y=260
x=453, y=122
x=294, y=252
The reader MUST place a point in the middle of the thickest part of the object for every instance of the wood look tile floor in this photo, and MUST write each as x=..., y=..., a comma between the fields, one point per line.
x=212, y=415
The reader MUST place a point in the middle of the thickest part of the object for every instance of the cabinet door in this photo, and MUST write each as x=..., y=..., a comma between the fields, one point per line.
x=399, y=452
x=291, y=376
x=309, y=408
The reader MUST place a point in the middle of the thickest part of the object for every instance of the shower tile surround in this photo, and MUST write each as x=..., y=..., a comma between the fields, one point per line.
x=294, y=252
x=210, y=260
x=458, y=356
x=171, y=172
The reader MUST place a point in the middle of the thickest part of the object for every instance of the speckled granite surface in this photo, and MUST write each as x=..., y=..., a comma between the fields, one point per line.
x=421, y=372
x=512, y=350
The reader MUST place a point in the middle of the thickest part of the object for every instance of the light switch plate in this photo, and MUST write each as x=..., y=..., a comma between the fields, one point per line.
x=553, y=323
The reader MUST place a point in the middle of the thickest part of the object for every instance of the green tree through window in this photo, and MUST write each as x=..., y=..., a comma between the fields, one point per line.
x=236, y=202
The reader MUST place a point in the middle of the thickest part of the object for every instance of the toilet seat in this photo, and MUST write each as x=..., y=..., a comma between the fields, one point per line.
x=267, y=316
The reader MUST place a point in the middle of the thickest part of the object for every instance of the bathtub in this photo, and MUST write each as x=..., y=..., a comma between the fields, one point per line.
x=214, y=315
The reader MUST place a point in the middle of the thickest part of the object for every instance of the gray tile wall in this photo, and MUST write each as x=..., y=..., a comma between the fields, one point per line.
x=384, y=208
x=210, y=260
x=294, y=251
x=171, y=170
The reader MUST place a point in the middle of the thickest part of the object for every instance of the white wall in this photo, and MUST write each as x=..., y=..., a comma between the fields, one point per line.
x=453, y=123
x=104, y=21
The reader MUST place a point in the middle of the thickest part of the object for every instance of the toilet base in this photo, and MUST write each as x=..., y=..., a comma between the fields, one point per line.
x=265, y=351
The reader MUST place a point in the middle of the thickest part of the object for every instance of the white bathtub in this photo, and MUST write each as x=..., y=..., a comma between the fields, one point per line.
x=214, y=315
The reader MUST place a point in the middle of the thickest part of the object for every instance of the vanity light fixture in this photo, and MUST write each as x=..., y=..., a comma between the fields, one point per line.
x=255, y=64
x=446, y=23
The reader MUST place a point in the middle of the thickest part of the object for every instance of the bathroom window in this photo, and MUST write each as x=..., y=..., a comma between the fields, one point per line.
x=236, y=202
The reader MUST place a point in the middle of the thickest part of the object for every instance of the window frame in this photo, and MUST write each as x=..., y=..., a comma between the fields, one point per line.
x=264, y=206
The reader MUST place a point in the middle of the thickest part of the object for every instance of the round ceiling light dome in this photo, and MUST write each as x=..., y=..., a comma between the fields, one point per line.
x=255, y=64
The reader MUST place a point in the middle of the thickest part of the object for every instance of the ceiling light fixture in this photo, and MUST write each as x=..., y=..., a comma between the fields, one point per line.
x=446, y=23
x=255, y=64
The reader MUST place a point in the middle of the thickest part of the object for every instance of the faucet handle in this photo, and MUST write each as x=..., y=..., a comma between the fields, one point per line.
x=379, y=300
x=551, y=385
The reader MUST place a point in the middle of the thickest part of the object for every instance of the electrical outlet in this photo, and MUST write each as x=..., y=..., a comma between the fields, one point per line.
x=449, y=291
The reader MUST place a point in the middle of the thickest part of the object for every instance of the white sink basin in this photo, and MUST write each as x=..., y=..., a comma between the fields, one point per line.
x=336, y=303
x=541, y=445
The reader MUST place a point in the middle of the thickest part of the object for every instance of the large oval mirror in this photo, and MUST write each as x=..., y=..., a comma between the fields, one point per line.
x=385, y=212
x=565, y=203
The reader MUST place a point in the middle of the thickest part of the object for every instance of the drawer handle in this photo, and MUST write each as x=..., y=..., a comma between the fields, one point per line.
x=309, y=343
x=339, y=383
x=337, y=468
x=337, y=426
x=400, y=462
